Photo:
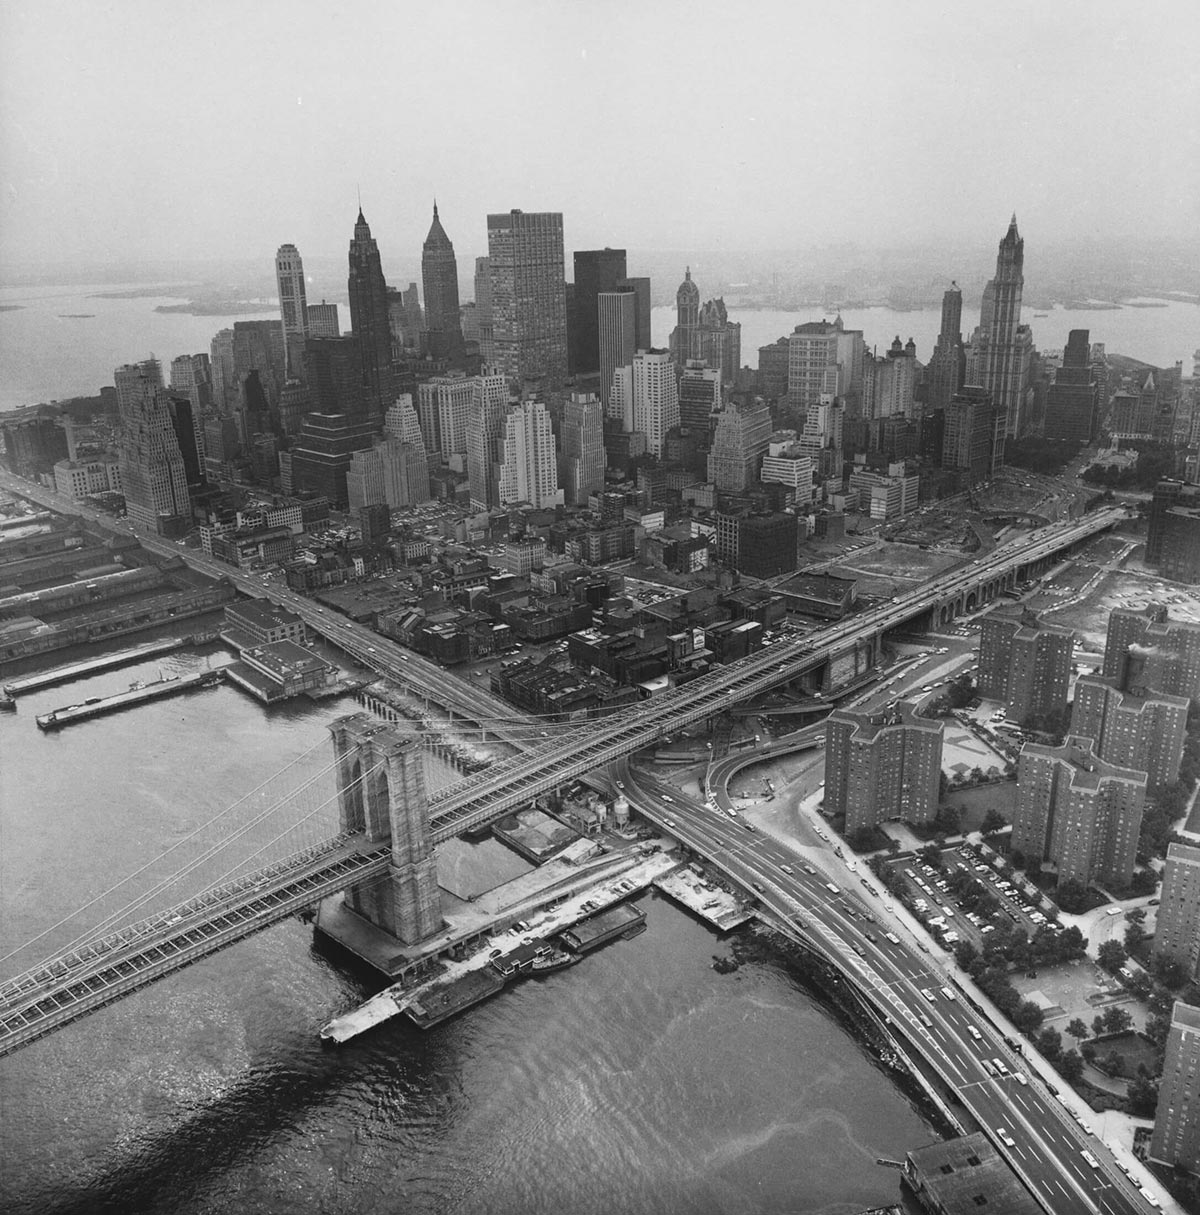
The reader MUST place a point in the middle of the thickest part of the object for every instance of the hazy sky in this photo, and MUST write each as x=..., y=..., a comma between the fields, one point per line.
x=168, y=128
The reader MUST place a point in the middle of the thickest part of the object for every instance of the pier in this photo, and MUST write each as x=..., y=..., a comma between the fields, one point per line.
x=98, y=706
x=104, y=662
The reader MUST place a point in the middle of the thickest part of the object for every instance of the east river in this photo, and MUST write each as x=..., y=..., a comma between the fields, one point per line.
x=639, y=1081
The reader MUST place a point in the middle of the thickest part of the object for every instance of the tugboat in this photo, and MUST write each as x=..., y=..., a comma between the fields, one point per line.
x=552, y=959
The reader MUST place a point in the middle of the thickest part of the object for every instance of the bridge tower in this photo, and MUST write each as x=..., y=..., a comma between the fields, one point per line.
x=381, y=792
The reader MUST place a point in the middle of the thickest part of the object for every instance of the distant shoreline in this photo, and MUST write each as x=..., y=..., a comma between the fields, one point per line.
x=217, y=307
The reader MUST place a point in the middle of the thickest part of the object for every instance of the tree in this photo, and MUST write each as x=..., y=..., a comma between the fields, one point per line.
x=1049, y=1042
x=1143, y=1094
x=949, y=820
x=1070, y=1066
x=1097, y=1026
x=1027, y=1017
x=1144, y=881
x=1111, y=955
x=1078, y=1029
x=1169, y=972
x=993, y=821
x=1072, y=896
x=1135, y=934
x=931, y=854
x=964, y=954
x=1117, y=1019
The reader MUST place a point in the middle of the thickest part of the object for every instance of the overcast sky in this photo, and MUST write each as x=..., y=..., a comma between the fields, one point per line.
x=166, y=128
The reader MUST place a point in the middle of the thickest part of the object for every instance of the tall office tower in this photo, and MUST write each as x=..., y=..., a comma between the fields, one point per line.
x=224, y=380
x=444, y=406
x=1173, y=540
x=191, y=377
x=1024, y=664
x=1002, y=345
x=387, y=473
x=773, y=369
x=740, y=440
x=153, y=473
x=948, y=364
x=1177, y=926
x=619, y=406
x=1176, y=1137
x=597, y=272
x=1078, y=812
x=485, y=438
x=529, y=308
x=973, y=435
x=439, y=276
x=323, y=320
x=617, y=334
x=812, y=363
x=717, y=340
x=1133, y=728
x=529, y=466
x=655, y=398
x=257, y=346
x=135, y=382
x=401, y=423
x=882, y=766
x=1147, y=649
x=293, y=308
x=888, y=382
x=1072, y=402
x=369, y=320
x=582, y=448
x=483, y=310
x=699, y=400
x=687, y=317
x=641, y=295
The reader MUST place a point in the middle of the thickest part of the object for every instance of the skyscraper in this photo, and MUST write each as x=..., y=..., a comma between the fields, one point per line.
x=153, y=473
x=529, y=467
x=369, y=320
x=1177, y=926
x=1176, y=1137
x=617, y=335
x=483, y=311
x=597, y=272
x=717, y=340
x=582, y=448
x=1078, y=812
x=948, y=364
x=444, y=405
x=882, y=766
x=655, y=397
x=191, y=377
x=439, y=276
x=813, y=363
x=1024, y=664
x=529, y=309
x=1002, y=345
x=401, y=424
x=687, y=317
x=293, y=308
x=485, y=438
x=323, y=320
x=1072, y=402
x=973, y=435
x=641, y=294
x=1145, y=731
x=740, y=440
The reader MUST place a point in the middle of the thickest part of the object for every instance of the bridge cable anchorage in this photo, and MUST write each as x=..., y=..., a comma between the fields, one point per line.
x=166, y=852
x=105, y=925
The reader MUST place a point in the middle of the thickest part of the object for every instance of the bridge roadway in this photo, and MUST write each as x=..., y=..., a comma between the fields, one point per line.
x=848, y=928
x=47, y=997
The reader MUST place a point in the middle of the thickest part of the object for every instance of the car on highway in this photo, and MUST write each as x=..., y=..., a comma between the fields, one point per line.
x=928, y=994
x=1005, y=1138
x=669, y=822
x=758, y=886
x=787, y=869
x=749, y=826
x=974, y=1033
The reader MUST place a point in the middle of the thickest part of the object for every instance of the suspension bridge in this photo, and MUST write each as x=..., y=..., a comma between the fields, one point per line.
x=286, y=845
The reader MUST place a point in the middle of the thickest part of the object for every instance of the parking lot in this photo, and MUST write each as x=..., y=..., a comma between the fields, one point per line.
x=965, y=898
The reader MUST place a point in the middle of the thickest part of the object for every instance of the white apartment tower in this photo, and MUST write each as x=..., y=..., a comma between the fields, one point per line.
x=529, y=468
x=655, y=397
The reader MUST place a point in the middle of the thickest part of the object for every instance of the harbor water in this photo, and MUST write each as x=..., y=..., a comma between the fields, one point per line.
x=640, y=1080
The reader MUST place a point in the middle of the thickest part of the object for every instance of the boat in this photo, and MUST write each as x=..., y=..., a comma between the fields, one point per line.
x=553, y=959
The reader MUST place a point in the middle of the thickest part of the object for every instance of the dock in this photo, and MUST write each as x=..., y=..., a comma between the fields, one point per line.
x=98, y=706
x=92, y=666
x=597, y=930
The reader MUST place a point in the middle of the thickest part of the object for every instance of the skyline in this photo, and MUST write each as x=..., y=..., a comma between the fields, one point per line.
x=260, y=141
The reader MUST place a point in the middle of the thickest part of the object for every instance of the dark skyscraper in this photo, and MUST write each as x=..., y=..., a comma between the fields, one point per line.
x=597, y=272
x=948, y=364
x=369, y=320
x=1072, y=400
x=439, y=276
x=687, y=314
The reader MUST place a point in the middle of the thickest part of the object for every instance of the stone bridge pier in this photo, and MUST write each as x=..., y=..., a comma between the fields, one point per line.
x=381, y=793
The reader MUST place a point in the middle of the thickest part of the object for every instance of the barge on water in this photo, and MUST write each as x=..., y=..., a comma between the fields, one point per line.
x=98, y=706
x=103, y=662
x=619, y=921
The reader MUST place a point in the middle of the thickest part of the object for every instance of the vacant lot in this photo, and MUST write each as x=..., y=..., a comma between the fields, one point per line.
x=1121, y=589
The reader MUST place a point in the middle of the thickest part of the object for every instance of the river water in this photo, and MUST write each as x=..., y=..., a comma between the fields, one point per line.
x=639, y=1081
